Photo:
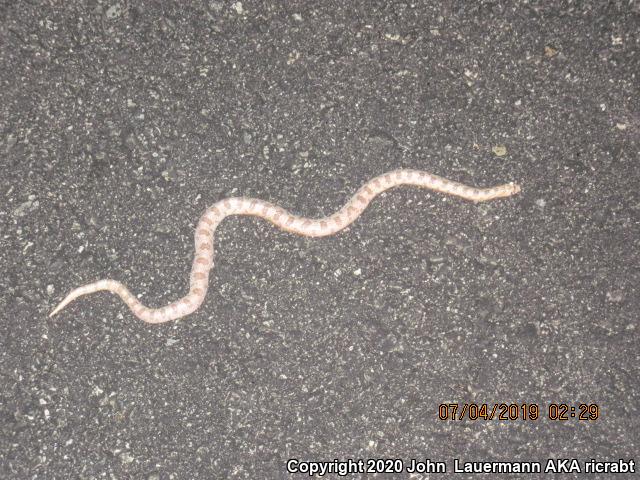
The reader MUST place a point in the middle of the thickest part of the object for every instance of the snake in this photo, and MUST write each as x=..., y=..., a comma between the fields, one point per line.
x=307, y=227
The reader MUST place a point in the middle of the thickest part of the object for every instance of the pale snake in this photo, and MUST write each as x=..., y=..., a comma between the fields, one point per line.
x=204, y=251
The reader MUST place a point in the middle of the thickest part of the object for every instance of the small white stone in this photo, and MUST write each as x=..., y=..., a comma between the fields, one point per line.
x=126, y=457
x=238, y=8
x=97, y=391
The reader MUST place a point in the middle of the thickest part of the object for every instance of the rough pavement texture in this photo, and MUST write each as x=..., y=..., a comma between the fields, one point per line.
x=120, y=122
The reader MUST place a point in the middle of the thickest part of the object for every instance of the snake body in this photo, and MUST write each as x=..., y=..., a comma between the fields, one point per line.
x=204, y=251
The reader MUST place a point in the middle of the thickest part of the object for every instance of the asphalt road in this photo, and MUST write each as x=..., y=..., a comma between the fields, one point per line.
x=121, y=121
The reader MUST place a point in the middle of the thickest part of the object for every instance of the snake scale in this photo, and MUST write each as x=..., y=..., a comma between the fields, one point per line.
x=204, y=250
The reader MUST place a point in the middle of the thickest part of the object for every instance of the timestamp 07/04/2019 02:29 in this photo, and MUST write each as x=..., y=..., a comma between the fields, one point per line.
x=518, y=411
